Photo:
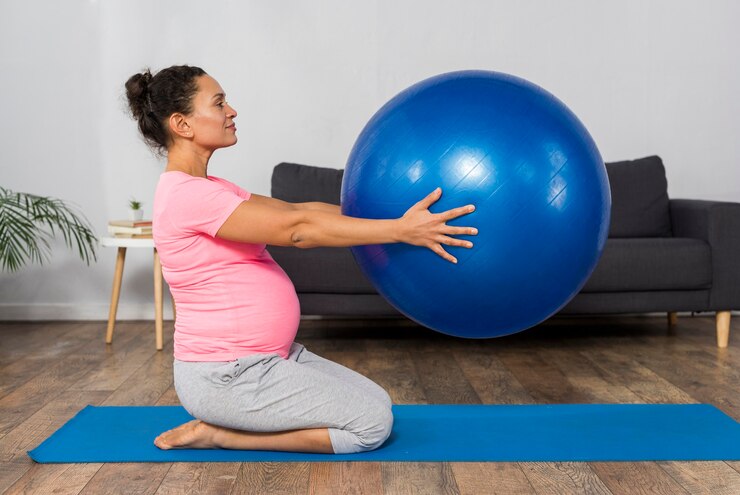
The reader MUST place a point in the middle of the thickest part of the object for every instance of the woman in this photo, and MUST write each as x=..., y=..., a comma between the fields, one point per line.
x=237, y=369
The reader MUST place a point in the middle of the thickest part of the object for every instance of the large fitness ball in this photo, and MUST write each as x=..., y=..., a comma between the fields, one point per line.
x=528, y=165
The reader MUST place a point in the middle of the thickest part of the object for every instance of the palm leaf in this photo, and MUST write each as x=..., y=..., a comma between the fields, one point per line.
x=29, y=222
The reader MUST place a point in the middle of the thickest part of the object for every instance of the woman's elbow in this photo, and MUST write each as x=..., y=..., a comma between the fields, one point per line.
x=309, y=231
x=301, y=239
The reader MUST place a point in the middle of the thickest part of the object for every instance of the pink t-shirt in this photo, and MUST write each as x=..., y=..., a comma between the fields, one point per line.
x=232, y=299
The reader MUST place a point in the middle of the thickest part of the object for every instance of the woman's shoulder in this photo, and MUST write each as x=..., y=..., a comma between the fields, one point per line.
x=189, y=184
x=177, y=179
x=227, y=183
x=221, y=180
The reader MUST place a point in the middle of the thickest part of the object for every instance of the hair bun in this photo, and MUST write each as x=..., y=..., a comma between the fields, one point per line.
x=152, y=99
x=137, y=92
x=146, y=77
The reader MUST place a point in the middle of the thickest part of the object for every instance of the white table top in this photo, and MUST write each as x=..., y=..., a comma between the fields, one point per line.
x=126, y=242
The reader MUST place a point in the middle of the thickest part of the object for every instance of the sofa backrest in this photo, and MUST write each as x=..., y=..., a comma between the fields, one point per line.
x=300, y=183
x=640, y=205
x=639, y=193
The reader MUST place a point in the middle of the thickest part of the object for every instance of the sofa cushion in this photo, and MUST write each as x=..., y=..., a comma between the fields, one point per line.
x=639, y=198
x=652, y=264
x=322, y=270
x=297, y=183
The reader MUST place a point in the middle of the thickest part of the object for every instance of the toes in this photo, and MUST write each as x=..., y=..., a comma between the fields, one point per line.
x=183, y=436
x=161, y=443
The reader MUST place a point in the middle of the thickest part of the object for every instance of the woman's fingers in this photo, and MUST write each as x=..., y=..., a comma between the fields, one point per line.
x=440, y=250
x=437, y=248
x=434, y=196
x=457, y=212
x=430, y=199
x=461, y=230
x=451, y=241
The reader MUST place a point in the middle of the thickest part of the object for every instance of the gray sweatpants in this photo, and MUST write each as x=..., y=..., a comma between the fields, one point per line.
x=266, y=393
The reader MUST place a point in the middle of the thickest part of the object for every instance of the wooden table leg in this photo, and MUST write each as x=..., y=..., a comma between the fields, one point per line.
x=723, y=328
x=117, y=277
x=672, y=318
x=158, y=300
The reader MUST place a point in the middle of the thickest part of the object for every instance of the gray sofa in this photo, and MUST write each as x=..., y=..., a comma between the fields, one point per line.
x=662, y=255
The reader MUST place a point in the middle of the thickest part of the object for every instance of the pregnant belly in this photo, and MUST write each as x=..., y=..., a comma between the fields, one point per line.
x=257, y=313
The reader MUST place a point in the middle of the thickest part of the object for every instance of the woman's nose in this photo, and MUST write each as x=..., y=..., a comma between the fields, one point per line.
x=230, y=111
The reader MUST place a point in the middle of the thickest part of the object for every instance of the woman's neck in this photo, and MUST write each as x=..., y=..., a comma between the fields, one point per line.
x=188, y=161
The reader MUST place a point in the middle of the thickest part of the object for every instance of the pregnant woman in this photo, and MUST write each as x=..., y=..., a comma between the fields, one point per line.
x=237, y=368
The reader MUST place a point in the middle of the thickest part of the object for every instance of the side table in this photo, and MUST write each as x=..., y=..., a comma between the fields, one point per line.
x=122, y=244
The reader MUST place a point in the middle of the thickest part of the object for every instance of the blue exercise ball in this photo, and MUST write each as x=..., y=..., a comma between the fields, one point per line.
x=532, y=171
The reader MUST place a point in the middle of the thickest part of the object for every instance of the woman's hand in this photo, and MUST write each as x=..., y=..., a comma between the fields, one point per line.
x=420, y=227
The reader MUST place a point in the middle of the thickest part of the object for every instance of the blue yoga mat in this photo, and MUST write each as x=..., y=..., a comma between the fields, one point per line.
x=435, y=433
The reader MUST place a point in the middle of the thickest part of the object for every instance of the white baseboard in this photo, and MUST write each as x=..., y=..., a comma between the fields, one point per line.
x=48, y=312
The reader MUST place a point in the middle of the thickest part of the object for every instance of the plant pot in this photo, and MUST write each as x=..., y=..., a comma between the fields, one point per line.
x=136, y=214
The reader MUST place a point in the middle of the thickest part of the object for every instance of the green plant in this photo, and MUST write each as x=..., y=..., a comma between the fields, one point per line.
x=28, y=223
x=134, y=204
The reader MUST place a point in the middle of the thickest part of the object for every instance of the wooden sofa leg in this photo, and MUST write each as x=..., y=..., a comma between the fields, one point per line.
x=672, y=318
x=723, y=328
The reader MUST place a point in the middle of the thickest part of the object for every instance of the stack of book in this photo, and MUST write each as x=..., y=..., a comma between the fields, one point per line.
x=131, y=229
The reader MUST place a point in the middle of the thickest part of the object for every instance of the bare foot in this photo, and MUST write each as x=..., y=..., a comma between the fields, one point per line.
x=192, y=435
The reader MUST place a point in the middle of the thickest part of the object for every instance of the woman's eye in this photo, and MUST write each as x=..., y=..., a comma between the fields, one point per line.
x=220, y=104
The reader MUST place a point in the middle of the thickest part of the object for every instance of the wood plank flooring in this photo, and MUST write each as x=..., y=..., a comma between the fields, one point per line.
x=49, y=371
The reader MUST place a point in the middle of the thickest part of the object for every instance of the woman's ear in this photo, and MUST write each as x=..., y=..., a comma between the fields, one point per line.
x=180, y=126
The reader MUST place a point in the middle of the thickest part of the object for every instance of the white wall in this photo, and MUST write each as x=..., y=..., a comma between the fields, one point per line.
x=657, y=77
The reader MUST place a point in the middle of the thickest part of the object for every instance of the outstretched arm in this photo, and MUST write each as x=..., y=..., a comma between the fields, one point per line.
x=260, y=223
x=284, y=205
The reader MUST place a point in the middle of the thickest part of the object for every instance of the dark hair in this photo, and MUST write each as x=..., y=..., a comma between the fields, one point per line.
x=152, y=99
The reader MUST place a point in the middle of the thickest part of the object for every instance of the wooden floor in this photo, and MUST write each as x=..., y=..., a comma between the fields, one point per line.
x=49, y=371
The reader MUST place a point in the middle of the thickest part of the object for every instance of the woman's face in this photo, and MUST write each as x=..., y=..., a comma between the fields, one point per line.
x=212, y=120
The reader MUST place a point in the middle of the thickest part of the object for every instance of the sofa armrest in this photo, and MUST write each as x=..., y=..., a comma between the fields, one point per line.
x=717, y=223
